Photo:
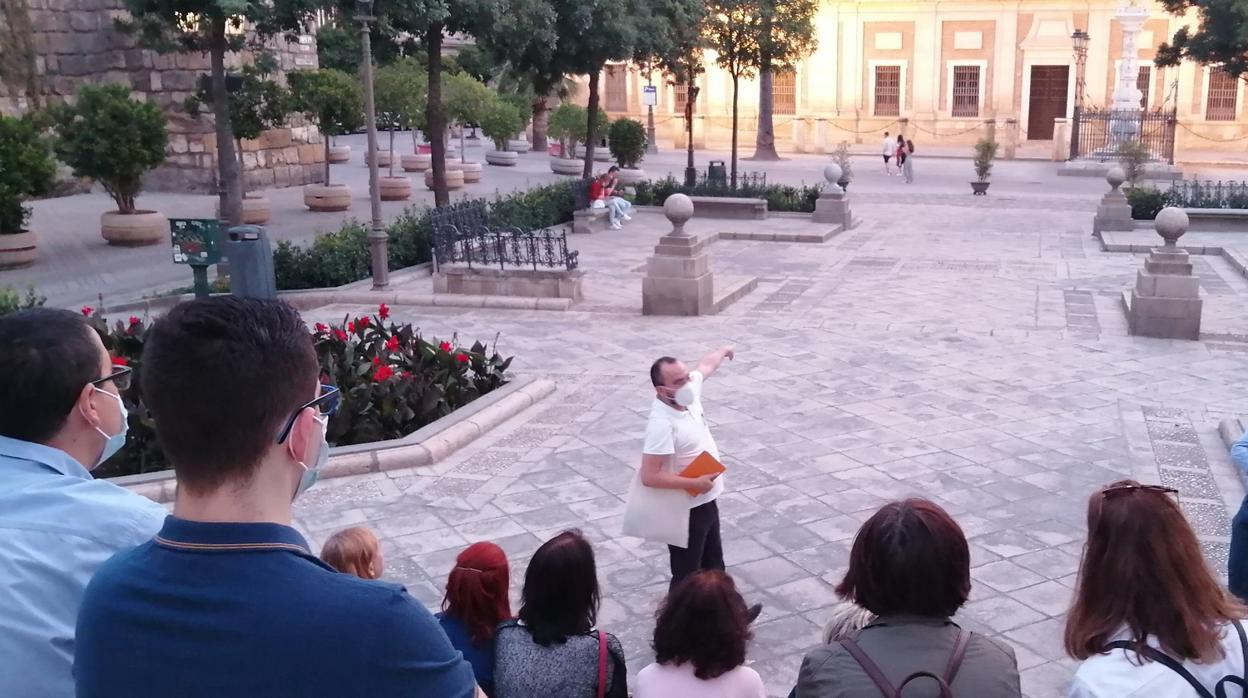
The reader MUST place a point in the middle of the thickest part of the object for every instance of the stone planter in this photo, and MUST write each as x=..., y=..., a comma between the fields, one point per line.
x=18, y=249
x=383, y=158
x=256, y=209
x=416, y=162
x=631, y=175
x=519, y=145
x=472, y=172
x=325, y=198
x=564, y=166
x=601, y=153
x=134, y=229
x=454, y=178
x=979, y=188
x=394, y=188
x=502, y=158
x=339, y=154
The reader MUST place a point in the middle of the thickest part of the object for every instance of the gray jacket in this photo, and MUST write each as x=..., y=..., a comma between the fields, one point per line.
x=902, y=645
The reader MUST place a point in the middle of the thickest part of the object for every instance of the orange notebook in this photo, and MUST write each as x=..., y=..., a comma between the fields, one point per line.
x=704, y=464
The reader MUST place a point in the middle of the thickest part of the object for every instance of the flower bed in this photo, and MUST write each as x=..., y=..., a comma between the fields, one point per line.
x=393, y=381
x=780, y=197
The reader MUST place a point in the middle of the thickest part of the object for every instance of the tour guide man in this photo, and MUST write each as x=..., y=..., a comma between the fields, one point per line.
x=659, y=507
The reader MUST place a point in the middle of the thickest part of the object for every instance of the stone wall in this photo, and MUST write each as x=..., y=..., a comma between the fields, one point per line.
x=48, y=48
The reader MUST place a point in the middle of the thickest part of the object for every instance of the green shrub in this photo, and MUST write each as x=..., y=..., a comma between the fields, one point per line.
x=1145, y=202
x=1133, y=156
x=11, y=300
x=501, y=123
x=985, y=153
x=535, y=209
x=111, y=138
x=780, y=197
x=334, y=259
x=28, y=170
x=627, y=141
x=566, y=124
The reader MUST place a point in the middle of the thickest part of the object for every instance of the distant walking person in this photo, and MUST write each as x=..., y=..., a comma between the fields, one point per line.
x=899, y=150
x=888, y=152
x=908, y=162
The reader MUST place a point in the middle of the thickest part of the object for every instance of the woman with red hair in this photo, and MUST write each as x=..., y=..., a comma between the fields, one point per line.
x=476, y=602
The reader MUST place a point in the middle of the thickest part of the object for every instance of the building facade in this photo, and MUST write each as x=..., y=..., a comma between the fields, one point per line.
x=949, y=72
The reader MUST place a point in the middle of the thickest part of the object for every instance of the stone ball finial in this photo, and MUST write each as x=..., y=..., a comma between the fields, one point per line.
x=679, y=209
x=832, y=172
x=1115, y=177
x=1171, y=224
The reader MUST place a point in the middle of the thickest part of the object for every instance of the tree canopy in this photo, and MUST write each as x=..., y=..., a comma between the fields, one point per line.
x=1220, y=39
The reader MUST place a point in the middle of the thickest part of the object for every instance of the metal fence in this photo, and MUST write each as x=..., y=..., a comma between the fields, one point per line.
x=1096, y=132
x=1192, y=193
x=462, y=234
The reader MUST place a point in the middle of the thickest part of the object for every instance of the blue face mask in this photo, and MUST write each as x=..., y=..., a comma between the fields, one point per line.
x=311, y=475
x=113, y=444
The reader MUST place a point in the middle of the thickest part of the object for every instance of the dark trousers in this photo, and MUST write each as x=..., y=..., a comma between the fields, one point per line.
x=705, y=551
x=1237, y=560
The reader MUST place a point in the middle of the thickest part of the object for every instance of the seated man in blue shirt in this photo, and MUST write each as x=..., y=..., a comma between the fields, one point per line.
x=60, y=416
x=1237, y=562
x=227, y=600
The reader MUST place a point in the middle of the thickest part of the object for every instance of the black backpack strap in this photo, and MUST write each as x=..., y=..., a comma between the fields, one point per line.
x=1220, y=688
x=1164, y=659
x=872, y=669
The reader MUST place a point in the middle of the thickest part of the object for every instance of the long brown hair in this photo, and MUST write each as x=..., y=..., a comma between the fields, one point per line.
x=703, y=621
x=1142, y=568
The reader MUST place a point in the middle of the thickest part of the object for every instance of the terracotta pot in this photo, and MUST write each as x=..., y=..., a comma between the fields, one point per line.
x=472, y=172
x=383, y=158
x=564, y=166
x=631, y=175
x=454, y=178
x=134, y=229
x=18, y=249
x=339, y=154
x=394, y=188
x=502, y=158
x=416, y=162
x=324, y=198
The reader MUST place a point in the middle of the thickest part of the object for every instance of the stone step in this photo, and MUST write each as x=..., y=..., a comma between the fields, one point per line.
x=730, y=289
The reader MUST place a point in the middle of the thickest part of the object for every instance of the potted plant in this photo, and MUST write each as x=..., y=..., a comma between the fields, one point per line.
x=841, y=157
x=114, y=140
x=627, y=142
x=397, y=91
x=331, y=99
x=28, y=171
x=499, y=124
x=567, y=125
x=257, y=104
x=466, y=101
x=985, y=153
x=519, y=143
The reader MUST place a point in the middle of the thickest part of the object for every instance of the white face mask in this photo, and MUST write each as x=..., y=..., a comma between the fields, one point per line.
x=684, y=395
x=311, y=475
x=113, y=443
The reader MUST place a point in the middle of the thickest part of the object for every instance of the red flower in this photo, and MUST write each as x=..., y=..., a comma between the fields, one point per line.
x=383, y=311
x=392, y=344
x=407, y=375
x=445, y=346
x=87, y=310
x=351, y=327
x=383, y=373
x=362, y=322
x=376, y=360
x=320, y=327
x=134, y=320
x=120, y=361
x=340, y=335
x=461, y=357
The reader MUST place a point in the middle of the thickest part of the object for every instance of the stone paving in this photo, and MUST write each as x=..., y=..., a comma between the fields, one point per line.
x=969, y=350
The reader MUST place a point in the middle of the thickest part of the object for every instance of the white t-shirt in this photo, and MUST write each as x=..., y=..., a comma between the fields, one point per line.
x=890, y=146
x=684, y=435
x=668, y=681
x=1119, y=675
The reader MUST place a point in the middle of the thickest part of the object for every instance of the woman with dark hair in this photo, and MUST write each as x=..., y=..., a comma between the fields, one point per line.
x=553, y=649
x=476, y=602
x=911, y=567
x=1149, y=618
x=699, y=643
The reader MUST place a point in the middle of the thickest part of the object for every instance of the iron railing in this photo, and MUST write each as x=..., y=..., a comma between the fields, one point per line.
x=1096, y=132
x=1192, y=193
x=462, y=234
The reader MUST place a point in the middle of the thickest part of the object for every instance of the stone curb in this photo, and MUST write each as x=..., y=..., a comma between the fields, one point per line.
x=1236, y=258
x=1230, y=429
x=425, y=446
x=315, y=298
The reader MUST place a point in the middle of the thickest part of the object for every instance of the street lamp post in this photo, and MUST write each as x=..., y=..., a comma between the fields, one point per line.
x=378, y=240
x=1080, y=41
x=691, y=96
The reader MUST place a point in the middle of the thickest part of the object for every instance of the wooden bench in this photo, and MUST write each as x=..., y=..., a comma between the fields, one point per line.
x=729, y=207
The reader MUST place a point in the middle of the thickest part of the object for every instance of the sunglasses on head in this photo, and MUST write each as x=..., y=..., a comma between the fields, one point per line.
x=1119, y=489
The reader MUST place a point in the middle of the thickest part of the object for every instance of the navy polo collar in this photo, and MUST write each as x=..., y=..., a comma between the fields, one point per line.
x=199, y=536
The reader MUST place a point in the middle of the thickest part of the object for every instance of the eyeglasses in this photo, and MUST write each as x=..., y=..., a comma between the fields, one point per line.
x=1118, y=489
x=326, y=404
x=120, y=377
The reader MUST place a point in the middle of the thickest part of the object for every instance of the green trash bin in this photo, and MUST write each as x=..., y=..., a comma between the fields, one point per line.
x=717, y=174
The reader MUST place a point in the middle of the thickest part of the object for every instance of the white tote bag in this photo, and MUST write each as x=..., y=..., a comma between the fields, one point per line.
x=657, y=515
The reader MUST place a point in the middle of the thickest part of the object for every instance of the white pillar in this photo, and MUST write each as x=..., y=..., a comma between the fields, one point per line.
x=1131, y=18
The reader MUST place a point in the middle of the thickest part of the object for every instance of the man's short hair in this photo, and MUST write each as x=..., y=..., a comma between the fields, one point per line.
x=613, y=168
x=656, y=369
x=221, y=376
x=46, y=357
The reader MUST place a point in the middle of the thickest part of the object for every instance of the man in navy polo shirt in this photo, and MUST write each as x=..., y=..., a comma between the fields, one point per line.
x=227, y=600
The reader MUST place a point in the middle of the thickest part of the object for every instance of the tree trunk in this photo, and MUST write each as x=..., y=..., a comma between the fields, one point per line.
x=765, y=143
x=541, y=117
x=736, y=80
x=434, y=117
x=231, y=189
x=242, y=171
x=391, y=129
x=591, y=132
x=327, y=142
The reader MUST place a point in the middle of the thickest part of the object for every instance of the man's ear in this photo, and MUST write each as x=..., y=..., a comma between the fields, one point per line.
x=85, y=406
x=297, y=442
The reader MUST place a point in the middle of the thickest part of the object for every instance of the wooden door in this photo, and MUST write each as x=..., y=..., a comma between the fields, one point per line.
x=1048, y=100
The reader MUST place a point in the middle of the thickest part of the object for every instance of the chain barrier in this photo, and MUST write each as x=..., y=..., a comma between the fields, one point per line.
x=874, y=129
x=977, y=127
x=1211, y=139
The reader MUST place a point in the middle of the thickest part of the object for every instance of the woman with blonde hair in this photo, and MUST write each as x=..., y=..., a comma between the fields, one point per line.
x=354, y=551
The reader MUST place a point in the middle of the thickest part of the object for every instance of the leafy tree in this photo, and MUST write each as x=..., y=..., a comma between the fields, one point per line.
x=503, y=120
x=1222, y=36
x=466, y=101
x=258, y=105
x=477, y=62
x=674, y=41
x=627, y=141
x=176, y=26
x=111, y=138
x=399, y=93
x=733, y=30
x=787, y=35
x=28, y=170
x=567, y=125
x=330, y=98
x=338, y=46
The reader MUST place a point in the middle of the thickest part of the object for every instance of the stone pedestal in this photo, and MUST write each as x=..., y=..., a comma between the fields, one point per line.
x=833, y=205
x=1165, y=302
x=678, y=276
x=1113, y=213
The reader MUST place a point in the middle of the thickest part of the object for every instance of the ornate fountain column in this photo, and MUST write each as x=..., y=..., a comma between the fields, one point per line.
x=1131, y=17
